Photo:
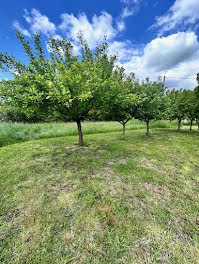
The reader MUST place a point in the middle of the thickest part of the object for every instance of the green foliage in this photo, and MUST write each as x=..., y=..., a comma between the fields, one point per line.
x=192, y=103
x=152, y=105
x=196, y=91
x=66, y=84
x=78, y=82
x=178, y=105
x=197, y=79
x=62, y=85
x=118, y=100
x=24, y=99
x=183, y=104
x=27, y=92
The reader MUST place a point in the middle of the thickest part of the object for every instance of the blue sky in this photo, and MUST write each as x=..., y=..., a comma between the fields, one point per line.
x=151, y=37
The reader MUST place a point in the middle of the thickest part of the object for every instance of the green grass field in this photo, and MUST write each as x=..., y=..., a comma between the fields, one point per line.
x=110, y=202
x=12, y=133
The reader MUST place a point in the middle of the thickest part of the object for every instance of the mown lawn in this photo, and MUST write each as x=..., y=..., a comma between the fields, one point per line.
x=112, y=201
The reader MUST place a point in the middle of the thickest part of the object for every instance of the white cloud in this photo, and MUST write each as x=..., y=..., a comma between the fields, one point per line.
x=21, y=29
x=126, y=12
x=93, y=31
x=39, y=23
x=181, y=13
x=182, y=72
x=121, y=26
x=172, y=56
x=124, y=50
x=131, y=8
x=163, y=53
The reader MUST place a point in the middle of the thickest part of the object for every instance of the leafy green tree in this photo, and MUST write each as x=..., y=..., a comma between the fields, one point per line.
x=152, y=105
x=27, y=92
x=78, y=82
x=21, y=101
x=64, y=83
x=179, y=106
x=192, y=106
x=197, y=116
x=197, y=78
x=196, y=91
x=119, y=100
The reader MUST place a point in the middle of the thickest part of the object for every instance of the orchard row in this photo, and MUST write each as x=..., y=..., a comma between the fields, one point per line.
x=58, y=84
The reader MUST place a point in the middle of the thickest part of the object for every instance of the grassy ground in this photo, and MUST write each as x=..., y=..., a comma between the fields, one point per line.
x=112, y=201
x=12, y=133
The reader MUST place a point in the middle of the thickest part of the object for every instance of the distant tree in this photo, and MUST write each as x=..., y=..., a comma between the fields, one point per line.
x=119, y=100
x=191, y=104
x=65, y=83
x=197, y=78
x=196, y=91
x=197, y=116
x=179, y=106
x=152, y=104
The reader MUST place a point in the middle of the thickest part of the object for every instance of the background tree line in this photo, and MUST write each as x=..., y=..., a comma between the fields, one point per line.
x=60, y=85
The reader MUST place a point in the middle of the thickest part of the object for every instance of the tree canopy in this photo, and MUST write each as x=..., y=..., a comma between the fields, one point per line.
x=64, y=83
x=118, y=100
x=152, y=104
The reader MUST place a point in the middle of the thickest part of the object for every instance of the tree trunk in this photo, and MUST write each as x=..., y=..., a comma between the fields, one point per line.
x=79, y=128
x=147, y=127
x=191, y=124
x=197, y=123
x=123, y=132
x=179, y=124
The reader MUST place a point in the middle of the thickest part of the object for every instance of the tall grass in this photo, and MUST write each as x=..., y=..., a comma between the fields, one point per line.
x=11, y=133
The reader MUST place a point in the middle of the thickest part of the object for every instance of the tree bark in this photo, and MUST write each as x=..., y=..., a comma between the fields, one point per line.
x=79, y=128
x=191, y=124
x=147, y=127
x=123, y=131
x=179, y=124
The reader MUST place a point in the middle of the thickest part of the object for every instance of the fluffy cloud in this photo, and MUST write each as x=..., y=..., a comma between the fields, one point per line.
x=124, y=50
x=121, y=25
x=24, y=31
x=182, y=12
x=164, y=53
x=126, y=12
x=93, y=31
x=131, y=7
x=38, y=23
x=172, y=56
